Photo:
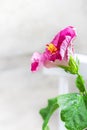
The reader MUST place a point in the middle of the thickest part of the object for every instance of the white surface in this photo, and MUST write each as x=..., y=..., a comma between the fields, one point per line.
x=28, y=25
x=23, y=94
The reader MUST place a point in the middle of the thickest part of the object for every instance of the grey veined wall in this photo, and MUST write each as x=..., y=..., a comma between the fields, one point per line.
x=27, y=25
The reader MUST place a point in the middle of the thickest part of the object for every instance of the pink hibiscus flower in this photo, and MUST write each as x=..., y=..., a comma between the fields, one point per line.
x=57, y=52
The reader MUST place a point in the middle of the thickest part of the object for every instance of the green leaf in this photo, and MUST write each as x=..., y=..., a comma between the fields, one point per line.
x=48, y=111
x=80, y=83
x=73, y=111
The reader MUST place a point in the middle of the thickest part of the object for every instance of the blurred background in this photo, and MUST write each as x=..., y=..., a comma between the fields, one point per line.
x=26, y=26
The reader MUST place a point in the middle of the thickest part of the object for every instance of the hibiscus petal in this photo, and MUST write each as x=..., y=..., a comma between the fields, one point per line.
x=34, y=66
x=62, y=41
x=69, y=31
x=56, y=63
x=63, y=47
x=36, y=61
x=60, y=37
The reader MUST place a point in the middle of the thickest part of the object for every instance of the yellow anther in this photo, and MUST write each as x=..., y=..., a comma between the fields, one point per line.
x=51, y=48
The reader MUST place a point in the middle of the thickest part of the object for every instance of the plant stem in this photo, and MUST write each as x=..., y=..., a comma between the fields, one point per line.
x=80, y=83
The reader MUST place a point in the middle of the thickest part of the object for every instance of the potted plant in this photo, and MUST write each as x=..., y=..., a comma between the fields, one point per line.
x=60, y=53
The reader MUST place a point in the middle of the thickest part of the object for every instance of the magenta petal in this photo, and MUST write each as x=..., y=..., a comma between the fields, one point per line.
x=56, y=63
x=62, y=41
x=34, y=66
x=61, y=36
x=36, y=61
x=70, y=32
x=63, y=47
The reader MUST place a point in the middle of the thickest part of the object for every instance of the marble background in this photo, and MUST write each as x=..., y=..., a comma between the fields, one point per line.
x=26, y=26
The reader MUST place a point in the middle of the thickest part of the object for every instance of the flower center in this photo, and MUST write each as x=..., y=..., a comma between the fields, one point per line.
x=51, y=48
